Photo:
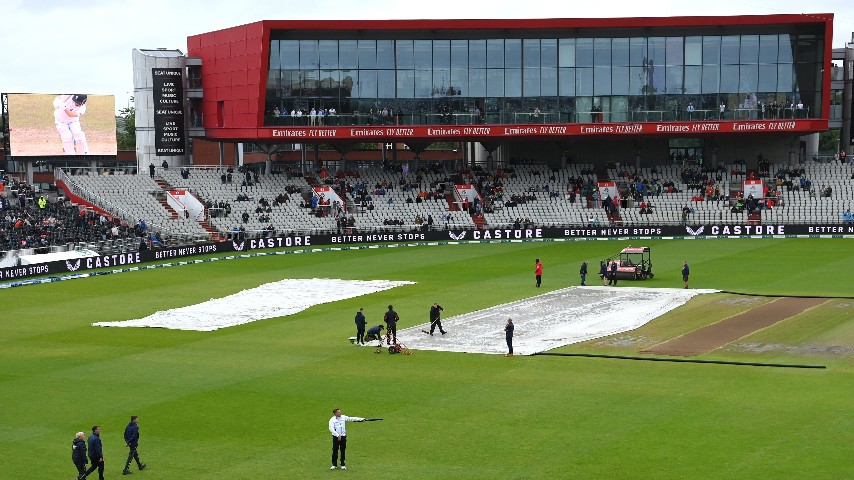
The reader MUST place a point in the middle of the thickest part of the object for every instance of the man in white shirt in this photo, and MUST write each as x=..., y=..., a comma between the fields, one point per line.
x=67, y=110
x=338, y=428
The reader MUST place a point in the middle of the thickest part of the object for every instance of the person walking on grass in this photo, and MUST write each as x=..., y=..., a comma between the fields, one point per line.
x=538, y=271
x=583, y=273
x=78, y=453
x=508, y=334
x=132, y=442
x=96, y=454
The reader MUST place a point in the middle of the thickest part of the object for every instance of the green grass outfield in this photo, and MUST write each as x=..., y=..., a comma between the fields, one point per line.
x=253, y=401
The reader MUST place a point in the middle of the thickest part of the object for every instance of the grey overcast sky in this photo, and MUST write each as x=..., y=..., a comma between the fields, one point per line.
x=85, y=46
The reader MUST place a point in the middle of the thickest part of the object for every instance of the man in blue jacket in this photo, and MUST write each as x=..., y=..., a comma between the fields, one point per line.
x=96, y=454
x=361, y=322
x=375, y=333
x=132, y=441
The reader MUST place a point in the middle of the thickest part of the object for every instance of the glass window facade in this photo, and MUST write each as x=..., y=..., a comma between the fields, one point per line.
x=500, y=80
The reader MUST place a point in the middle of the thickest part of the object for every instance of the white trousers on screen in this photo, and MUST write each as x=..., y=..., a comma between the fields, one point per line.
x=73, y=139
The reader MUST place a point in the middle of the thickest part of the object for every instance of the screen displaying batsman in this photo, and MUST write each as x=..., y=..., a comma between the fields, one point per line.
x=67, y=110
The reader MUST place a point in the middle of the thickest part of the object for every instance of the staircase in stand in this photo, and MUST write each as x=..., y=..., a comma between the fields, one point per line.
x=161, y=197
x=479, y=222
x=452, y=207
x=754, y=218
x=214, y=234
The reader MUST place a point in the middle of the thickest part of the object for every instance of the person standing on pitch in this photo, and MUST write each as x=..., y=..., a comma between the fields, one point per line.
x=96, y=454
x=538, y=271
x=583, y=273
x=685, y=272
x=338, y=428
x=390, y=319
x=508, y=334
x=78, y=453
x=132, y=441
x=612, y=278
x=361, y=322
x=435, y=318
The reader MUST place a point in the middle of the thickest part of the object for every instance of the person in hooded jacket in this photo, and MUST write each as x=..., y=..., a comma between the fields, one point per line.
x=78, y=453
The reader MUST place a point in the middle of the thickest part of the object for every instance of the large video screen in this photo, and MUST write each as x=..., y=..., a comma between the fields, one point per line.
x=61, y=124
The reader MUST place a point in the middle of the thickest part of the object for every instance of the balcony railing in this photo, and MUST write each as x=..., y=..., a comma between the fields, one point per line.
x=547, y=117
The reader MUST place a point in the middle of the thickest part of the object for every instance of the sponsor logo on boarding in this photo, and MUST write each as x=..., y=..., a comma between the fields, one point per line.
x=507, y=234
x=741, y=230
x=454, y=236
x=696, y=232
x=72, y=267
x=238, y=247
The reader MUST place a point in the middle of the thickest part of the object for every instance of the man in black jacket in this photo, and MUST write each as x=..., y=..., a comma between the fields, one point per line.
x=78, y=453
x=435, y=318
x=132, y=441
x=391, y=319
x=96, y=454
x=612, y=278
x=583, y=272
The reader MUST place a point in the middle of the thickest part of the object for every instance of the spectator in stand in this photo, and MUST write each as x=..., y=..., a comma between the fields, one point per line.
x=848, y=217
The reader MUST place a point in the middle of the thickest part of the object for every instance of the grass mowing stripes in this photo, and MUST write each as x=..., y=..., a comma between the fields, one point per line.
x=252, y=401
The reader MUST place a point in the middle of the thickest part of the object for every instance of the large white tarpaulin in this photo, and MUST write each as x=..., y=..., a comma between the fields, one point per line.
x=550, y=320
x=277, y=299
x=543, y=322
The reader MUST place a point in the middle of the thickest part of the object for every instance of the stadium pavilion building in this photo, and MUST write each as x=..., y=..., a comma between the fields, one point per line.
x=632, y=90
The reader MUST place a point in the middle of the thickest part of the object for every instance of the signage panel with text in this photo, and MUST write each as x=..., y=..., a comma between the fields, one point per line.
x=169, y=134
